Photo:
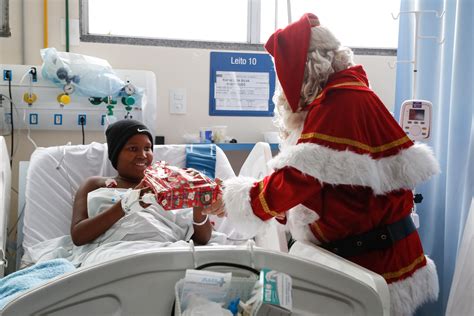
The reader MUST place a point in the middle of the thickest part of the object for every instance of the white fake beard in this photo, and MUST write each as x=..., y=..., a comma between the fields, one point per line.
x=290, y=124
x=291, y=138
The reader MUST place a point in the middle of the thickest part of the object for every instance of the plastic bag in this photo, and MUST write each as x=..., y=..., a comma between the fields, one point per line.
x=89, y=76
x=200, y=306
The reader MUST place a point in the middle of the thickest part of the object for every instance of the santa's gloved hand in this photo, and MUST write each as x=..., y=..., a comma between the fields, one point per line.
x=217, y=208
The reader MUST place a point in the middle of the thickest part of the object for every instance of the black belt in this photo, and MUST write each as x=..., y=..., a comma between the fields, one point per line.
x=376, y=239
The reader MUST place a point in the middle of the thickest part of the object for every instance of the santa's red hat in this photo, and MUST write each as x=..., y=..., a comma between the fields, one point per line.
x=289, y=48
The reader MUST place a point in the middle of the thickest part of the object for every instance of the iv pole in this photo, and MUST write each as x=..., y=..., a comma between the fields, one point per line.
x=417, y=197
x=418, y=36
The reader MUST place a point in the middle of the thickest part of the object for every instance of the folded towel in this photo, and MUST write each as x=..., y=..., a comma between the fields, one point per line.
x=21, y=281
x=202, y=158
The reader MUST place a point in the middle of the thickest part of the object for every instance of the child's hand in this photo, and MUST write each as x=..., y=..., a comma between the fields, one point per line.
x=110, y=183
x=143, y=189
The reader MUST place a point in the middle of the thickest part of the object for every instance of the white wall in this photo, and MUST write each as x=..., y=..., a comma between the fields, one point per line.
x=174, y=68
x=11, y=47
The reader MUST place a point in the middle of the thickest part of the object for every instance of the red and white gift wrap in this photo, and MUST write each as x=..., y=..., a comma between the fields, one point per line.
x=176, y=188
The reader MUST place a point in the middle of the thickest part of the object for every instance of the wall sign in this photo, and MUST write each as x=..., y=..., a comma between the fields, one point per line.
x=241, y=84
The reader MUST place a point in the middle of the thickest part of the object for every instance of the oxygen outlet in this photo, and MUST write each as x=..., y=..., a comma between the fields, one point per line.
x=129, y=100
x=64, y=99
x=29, y=98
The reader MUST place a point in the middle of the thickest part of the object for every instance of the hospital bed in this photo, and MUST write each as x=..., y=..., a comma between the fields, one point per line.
x=322, y=282
x=5, y=184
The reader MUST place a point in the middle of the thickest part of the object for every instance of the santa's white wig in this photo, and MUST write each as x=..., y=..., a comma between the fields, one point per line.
x=325, y=57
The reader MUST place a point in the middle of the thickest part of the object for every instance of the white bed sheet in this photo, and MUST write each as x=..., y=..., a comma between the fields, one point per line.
x=55, y=173
x=139, y=231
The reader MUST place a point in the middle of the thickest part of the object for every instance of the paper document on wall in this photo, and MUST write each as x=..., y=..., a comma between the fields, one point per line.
x=248, y=91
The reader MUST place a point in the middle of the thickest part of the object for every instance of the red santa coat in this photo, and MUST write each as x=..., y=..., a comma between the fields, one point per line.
x=351, y=171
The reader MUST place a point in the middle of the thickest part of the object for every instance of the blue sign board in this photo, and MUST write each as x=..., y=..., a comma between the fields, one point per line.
x=241, y=84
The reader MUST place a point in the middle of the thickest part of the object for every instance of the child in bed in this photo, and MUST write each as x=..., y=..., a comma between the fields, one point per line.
x=105, y=228
x=130, y=149
x=109, y=222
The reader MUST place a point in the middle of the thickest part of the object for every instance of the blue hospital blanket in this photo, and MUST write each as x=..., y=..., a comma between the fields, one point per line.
x=21, y=281
x=202, y=158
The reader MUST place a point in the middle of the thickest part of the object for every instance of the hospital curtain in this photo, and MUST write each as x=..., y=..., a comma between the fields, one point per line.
x=445, y=77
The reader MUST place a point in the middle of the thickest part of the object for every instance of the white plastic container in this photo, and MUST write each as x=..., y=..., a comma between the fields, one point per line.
x=191, y=138
x=240, y=288
x=205, y=135
x=219, y=134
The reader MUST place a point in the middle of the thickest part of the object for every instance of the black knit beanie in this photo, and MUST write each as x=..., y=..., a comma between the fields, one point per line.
x=118, y=133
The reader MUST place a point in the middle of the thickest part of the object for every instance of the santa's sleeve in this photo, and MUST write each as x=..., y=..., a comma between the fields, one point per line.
x=249, y=203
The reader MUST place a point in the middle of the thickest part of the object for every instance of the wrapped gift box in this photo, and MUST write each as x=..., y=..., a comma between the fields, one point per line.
x=177, y=188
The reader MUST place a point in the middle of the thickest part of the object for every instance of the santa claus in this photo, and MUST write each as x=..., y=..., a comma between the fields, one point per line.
x=345, y=174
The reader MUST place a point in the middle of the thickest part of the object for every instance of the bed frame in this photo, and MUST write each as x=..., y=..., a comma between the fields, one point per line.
x=144, y=284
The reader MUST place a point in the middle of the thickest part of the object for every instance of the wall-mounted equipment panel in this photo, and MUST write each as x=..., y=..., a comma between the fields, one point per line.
x=41, y=105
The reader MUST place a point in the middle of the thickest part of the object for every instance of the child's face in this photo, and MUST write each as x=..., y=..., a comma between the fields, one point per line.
x=135, y=156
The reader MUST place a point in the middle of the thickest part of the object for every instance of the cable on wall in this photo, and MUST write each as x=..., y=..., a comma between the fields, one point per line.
x=9, y=78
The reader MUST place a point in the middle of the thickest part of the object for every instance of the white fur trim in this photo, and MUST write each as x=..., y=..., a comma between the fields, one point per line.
x=237, y=204
x=410, y=293
x=299, y=218
x=404, y=170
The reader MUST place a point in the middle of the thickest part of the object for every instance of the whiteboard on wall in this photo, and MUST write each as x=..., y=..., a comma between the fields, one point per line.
x=241, y=84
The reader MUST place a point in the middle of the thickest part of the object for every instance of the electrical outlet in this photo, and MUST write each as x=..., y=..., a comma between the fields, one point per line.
x=33, y=119
x=58, y=119
x=34, y=74
x=81, y=119
x=7, y=75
